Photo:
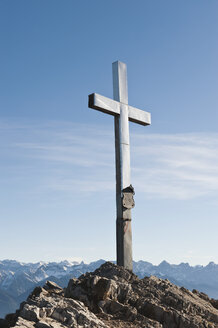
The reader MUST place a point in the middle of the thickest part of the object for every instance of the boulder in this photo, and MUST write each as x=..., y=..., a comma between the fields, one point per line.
x=114, y=297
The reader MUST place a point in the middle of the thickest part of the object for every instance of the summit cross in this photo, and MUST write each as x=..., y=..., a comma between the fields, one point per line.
x=123, y=113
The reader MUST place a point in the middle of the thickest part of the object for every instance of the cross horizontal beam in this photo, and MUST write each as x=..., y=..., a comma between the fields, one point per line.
x=112, y=107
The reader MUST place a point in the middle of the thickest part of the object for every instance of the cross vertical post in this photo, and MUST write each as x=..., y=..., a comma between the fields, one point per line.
x=123, y=113
x=122, y=156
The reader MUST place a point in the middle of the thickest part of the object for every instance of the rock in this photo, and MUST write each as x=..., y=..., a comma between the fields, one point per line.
x=11, y=319
x=22, y=323
x=48, y=324
x=30, y=312
x=115, y=291
x=47, y=308
x=42, y=324
x=50, y=285
x=114, y=297
x=4, y=323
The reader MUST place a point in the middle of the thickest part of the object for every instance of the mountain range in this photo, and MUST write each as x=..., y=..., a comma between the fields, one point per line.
x=18, y=279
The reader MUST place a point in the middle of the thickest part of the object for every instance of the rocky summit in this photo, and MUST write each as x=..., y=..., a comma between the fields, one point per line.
x=112, y=296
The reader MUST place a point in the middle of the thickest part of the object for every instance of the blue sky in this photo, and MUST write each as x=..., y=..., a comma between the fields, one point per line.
x=57, y=172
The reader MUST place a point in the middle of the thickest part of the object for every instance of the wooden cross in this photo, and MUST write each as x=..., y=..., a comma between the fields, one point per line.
x=123, y=113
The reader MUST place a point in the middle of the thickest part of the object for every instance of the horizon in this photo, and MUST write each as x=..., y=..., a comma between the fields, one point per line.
x=113, y=261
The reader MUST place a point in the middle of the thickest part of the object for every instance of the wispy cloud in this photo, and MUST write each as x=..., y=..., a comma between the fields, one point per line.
x=180, y=166
x=75, y=156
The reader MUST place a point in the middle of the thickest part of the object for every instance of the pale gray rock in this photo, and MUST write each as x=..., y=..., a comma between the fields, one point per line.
x=30, y=312
x=115, y=291
x=49, y=324
x=22, y=323
x=50, y=285
x=48, y=308
x=114, y=297
x=16, y=278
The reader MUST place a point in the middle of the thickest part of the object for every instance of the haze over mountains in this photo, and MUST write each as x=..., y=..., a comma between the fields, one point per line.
x=18, y=279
